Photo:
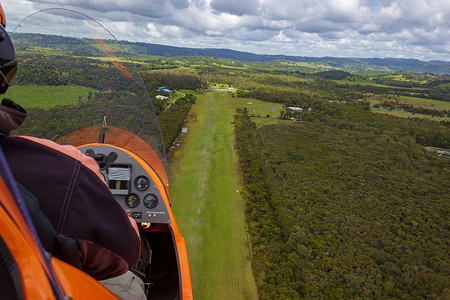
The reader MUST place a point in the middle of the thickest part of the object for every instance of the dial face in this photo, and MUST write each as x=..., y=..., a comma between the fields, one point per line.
x=132, y=200
x=150, y=201
x=141, y=183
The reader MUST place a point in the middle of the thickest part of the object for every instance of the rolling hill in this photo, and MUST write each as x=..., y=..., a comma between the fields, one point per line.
x=347, y=64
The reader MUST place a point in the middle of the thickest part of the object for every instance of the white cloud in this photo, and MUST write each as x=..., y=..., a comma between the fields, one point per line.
x=369, y=28
x=281, y=37
x=392, y=12
x=236, y=7
x=344, y=10
x=278, y=24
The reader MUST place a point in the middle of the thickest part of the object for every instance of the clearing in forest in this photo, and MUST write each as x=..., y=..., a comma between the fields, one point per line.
x=46, y=96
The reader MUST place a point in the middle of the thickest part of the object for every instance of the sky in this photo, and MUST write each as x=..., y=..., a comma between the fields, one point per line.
x=417, y=29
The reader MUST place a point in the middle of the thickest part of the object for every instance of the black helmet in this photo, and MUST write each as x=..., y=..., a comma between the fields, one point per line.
x=8, y=59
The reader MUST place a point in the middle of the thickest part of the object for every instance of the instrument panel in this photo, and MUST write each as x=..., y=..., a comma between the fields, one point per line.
x=131, y=185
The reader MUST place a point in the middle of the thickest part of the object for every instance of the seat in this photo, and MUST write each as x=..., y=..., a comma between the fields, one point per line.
x=62, y=247
x=10, y=280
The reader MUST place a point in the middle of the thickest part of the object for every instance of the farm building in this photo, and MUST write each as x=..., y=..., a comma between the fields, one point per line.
x=164, y=89
x=293, y=113
x=297, y=108
x=161, y=97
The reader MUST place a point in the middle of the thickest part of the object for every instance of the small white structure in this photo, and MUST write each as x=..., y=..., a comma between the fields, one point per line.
x=161, y=97
x=295, y=108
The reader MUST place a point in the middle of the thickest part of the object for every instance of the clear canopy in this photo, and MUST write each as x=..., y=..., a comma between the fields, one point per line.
x=83, y=82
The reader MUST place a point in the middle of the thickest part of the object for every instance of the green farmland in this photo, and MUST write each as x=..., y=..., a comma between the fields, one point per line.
x=404, y=114
x=46, y=96
x=425, y=103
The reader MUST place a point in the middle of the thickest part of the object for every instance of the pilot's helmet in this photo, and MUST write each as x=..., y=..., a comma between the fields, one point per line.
x=8, y=59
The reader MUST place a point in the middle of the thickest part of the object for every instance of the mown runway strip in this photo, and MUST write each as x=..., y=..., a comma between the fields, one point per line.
x=204, y=187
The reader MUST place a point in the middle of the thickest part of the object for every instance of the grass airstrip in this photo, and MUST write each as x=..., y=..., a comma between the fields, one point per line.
x=205, y=185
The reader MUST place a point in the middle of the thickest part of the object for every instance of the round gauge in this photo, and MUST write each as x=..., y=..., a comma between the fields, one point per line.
x=141, y=183
x=150, y=201
x=132, y=200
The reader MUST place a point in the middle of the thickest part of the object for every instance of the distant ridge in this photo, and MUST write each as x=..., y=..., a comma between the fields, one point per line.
x=347, y=64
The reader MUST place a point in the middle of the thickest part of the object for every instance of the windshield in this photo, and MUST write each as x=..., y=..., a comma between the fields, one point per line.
x=79, y=86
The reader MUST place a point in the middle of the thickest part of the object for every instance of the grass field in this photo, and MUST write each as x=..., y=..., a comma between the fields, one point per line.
x=259, y=109
x=264, y=113
x=205, y=184
x=414, y=101
x=403, y=114
x=46, y=96
x=425, y=103
x=363, y=82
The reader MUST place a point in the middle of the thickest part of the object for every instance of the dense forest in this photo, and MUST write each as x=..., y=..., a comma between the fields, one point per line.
x=345, y=205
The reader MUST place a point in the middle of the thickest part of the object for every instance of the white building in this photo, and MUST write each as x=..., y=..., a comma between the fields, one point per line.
x=161, y=97
x=295, y=108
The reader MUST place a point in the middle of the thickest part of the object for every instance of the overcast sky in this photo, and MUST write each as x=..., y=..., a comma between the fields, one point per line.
x=341, y=28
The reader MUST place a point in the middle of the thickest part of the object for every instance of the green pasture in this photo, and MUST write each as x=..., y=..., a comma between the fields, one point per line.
x=416, y=102
x=309, y=65
x=425, y=103
x=364, y=82
x=205, y=185
x=184, y=69
x=40, y=50
x=46, y=96
x=263, y=113
x=403, y=114
x=400, y=77
x=244, y=67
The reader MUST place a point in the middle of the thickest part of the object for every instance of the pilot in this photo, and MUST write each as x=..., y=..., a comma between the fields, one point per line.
x=85, y=225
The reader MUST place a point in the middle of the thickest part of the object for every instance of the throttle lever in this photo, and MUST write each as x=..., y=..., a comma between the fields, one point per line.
x=102, y=160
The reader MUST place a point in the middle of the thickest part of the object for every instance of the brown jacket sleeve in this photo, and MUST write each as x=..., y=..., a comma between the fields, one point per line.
x=99, y=262
x=77, y=202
